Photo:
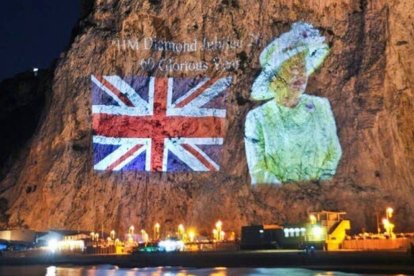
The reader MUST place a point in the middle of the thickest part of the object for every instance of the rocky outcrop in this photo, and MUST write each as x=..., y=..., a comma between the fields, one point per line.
x=367, y=79
x=22, y=99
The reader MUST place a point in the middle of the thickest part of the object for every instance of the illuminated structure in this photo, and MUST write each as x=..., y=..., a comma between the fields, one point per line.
x=218, y=233
x=112, y=234
x=324, y=230
x=388, y=225
x=328, y=227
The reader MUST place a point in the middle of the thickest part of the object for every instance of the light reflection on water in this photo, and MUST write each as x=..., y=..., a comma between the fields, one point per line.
x=110, y=270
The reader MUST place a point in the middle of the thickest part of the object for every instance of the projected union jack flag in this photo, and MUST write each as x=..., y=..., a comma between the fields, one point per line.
x=158, y=124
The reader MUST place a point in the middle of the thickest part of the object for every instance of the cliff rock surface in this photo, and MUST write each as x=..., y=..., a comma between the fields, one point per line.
x=367, y=78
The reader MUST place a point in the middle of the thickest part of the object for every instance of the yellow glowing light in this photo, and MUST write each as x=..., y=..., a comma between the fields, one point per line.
x=191, y=235
x=131, y=229
x=389, y=211
x=215, y=234
x=130, y=239
x=222, y=235
x=219, y=224
x=112, y=234
x=312, y=219
x=317, y=232
x=181, y=228
x=145, y=236
x=156, y=233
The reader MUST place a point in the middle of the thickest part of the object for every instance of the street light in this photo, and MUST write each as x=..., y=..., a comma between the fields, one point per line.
x=181, y=231
x=221, y=238
x=312, y=219
x=219, y=231
x=389, y=211
x=145, y=236
x=219, y=224
x=112, y=234
x=131, y=230
x=191, y=235
x=215, y=234
x=388, y=225
x=157, y=227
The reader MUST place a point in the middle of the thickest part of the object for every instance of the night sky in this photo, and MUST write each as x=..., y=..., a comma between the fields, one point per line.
x=34, y=32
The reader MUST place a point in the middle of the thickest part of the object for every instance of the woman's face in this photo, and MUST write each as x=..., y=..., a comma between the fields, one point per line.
x=290, y=81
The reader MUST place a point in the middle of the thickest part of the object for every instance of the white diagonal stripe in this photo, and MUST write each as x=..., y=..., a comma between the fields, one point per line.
x=219, y=86
x=211, y=161
x=128, y=91
x=125, y=145
x=190, y=92
x=107, y=91
x=189, y=159
x=130, y=158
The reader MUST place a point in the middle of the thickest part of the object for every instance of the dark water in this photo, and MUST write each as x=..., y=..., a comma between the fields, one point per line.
x=102, y=270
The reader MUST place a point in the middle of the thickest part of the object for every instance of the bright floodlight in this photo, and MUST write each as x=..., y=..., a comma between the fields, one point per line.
x=52, y=245
x=317, y=232
x=171, y=245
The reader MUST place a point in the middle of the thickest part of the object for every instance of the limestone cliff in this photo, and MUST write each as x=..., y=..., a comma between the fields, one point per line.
x=367, y=79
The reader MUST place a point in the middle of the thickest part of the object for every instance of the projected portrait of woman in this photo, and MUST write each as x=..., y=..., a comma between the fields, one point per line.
x=293, y=136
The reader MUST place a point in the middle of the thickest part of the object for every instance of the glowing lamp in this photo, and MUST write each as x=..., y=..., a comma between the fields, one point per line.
x=312, y=219
x=222, y=233
x=389, y=211
x=52, y=245
x=317, y=232
x=219, y=224
x=191, y=235
x=171, y=245
x=215, y=234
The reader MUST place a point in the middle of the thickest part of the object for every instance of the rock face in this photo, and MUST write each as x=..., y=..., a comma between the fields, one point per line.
x=367, y=79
